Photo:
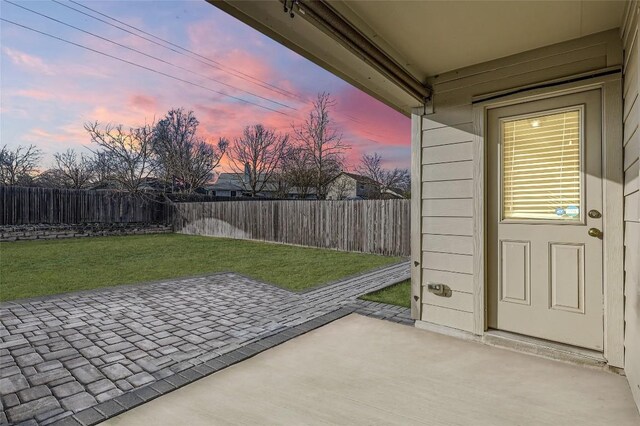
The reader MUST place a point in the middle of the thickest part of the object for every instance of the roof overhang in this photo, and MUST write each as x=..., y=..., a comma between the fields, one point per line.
x=389, y=49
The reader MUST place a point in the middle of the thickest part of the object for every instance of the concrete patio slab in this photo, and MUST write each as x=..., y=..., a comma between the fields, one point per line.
x=360, y=370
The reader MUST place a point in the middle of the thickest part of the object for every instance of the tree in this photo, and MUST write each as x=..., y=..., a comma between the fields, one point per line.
x=183, y=158
x=281, y=186
x=102, y=165
x=127, y=154
x=19, y=166
x=72, y=170
x=396, y=180
x=322, y=142
x=296, y=170
x=51, y=178
x=256, y=155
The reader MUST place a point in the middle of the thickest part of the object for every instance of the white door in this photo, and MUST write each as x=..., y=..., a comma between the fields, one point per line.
x=544, y=219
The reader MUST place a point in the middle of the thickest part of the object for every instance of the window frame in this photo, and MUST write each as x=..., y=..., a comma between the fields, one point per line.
x=581, y=220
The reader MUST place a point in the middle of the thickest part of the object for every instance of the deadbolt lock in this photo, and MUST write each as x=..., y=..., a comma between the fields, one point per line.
x=594, y=214
x=595, y=232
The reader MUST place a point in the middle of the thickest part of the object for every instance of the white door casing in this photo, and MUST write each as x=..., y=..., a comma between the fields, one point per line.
x=545, y=276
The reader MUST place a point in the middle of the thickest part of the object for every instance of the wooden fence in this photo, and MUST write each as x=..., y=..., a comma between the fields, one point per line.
x=369, y=226
x=23, y=206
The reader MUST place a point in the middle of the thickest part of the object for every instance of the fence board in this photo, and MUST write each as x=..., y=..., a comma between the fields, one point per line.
x=25, y=206
x=370, y=226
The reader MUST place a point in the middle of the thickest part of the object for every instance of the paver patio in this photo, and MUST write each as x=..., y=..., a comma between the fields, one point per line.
x=62, y=354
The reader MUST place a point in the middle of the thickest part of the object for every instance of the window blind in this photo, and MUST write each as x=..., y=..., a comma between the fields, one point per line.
x=541, y=167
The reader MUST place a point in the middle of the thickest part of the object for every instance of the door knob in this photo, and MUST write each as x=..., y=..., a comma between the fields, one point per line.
x=595, y=232
x=594, y=214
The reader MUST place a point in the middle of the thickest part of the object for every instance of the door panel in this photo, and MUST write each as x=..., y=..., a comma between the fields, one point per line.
x=567, y=277
x=543, y=175
x=515, y=272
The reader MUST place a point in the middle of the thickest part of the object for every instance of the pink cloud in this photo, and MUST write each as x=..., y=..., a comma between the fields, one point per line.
x=237, y=66
x=57, y=139
x=143, y=102
x=368, y=118
x=15, y=112
x=30, y=62
x=116, y=115
x=95, y=88
x=242, y=60
x=39, y=95
x=210, y=114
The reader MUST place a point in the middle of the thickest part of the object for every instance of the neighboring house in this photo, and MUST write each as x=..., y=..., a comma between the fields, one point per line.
x=350, y=186
x=525, y=168
x=231, y=185
x=294, y=194
x=392, y=193
x=226, y=185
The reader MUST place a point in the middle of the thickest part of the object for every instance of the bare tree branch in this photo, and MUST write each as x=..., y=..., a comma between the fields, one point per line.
x=322, y=142
x=50, y=178
x=72, y=170
x=19, y=166
x=257, y=155
x=389, y=180
x=127, y=154
x=183, y=158
x=296, y=170
x=102, y=167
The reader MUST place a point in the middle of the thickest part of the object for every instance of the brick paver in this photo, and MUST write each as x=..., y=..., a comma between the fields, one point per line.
x=64, y=354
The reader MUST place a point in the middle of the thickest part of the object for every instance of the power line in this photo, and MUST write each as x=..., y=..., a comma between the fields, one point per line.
x=158, y=72
x=184, y=49
x=350, y=118
x=213, y=63
x=356, y=120
x=149, y=56
x=266, y=86
x=143, y=67
x=371, y=133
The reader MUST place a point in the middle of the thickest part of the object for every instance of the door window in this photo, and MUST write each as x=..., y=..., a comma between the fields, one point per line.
x=541, y=158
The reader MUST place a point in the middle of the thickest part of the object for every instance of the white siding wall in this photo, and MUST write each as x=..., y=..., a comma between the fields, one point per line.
x=448, y=183
x=632, y=199
x=447, y=222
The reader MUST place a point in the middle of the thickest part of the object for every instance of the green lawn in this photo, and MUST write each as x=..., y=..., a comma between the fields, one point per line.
x=37, y=268
x=398, y=294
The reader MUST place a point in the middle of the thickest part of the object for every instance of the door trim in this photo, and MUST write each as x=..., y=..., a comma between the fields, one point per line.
x=613, y=203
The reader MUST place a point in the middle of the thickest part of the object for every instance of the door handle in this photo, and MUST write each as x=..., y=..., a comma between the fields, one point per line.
x=595, y=232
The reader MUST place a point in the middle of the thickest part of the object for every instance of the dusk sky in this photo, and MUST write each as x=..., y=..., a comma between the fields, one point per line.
x=50, y=88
